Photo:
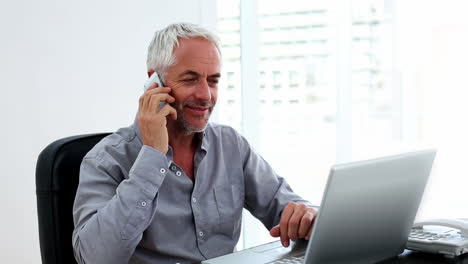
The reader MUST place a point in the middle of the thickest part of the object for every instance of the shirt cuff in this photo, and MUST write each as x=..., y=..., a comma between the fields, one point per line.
x=149, y=169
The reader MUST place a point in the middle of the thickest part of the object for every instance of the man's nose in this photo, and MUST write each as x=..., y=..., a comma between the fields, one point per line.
x=203, y=92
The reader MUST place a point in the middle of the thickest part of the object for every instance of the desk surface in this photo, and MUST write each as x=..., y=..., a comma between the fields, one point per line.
x=276, y=251
x=412, y=257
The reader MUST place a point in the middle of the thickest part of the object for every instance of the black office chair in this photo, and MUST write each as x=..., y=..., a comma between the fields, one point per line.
x=57, y=173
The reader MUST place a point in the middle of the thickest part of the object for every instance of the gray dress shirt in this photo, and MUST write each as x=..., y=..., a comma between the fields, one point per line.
x=135, y=205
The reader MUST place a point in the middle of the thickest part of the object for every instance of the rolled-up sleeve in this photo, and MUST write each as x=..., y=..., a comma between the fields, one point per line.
x=111, y=214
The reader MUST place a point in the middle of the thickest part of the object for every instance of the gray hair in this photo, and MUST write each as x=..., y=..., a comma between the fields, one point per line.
x=161, y=49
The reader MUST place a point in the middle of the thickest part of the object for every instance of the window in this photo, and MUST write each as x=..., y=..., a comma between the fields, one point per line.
x=307, y=81
x=230, y=91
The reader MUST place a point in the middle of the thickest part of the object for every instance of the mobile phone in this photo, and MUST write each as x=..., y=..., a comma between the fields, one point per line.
x=154, y=79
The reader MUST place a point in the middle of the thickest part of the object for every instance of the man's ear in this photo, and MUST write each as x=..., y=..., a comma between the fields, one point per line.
x=150, y=72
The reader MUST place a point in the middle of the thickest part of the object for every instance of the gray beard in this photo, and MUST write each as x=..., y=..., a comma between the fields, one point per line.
x=184, y=125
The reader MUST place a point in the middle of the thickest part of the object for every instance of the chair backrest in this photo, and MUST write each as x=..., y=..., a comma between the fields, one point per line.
x=57, y=174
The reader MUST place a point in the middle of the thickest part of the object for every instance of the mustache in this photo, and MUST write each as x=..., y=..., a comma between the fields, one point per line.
x=203, y=104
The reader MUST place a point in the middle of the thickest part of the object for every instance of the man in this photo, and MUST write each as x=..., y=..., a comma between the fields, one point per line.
x=171, y=187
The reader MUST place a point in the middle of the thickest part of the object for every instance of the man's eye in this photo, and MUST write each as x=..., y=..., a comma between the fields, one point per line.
x=214, y=81
x=190, y=80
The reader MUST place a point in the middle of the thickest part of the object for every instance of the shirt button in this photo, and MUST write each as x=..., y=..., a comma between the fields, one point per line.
x=173, y=167
x=194, y=200
x=143, y=204
x=200, y=233
x=178, y=173
x=162, y=170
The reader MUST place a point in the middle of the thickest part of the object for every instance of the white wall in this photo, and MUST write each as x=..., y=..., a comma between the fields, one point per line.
x=67, y=68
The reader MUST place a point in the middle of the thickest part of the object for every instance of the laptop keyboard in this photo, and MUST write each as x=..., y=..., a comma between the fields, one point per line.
x=289, y=260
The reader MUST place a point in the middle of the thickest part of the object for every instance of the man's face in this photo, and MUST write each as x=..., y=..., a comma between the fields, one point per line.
x=194, y=82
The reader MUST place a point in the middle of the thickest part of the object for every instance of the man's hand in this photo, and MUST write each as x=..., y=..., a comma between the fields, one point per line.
x=296, y=222
x=152, y=120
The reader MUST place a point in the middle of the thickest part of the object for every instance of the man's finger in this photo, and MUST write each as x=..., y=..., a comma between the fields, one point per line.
x=140, y=102
x=305, y=225
x=295, y=220
x=169, y=110
x=148, y=94
x=157, y=99
x=275, y=231
x=311, y=226
x=284, y=222
x=157, y=89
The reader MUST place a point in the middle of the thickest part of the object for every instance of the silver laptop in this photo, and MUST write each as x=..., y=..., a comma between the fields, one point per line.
x=366, y=214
